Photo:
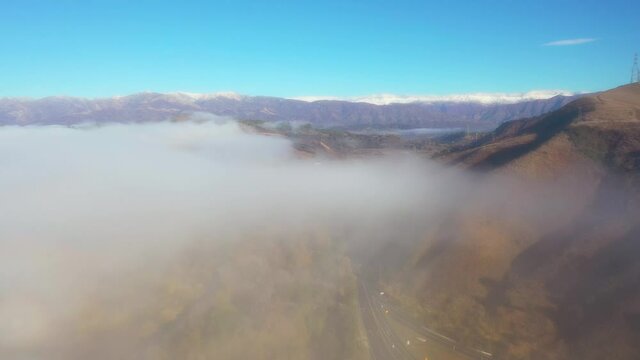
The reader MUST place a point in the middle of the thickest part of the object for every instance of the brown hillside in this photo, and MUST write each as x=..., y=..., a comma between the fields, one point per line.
x=542, y=260
x=604, y=127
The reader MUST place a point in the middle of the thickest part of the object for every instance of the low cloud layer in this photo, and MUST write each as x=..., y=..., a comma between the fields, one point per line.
x=93, y=217
x=82, y=206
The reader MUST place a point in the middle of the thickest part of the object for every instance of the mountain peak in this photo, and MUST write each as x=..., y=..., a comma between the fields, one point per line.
x=479, y=98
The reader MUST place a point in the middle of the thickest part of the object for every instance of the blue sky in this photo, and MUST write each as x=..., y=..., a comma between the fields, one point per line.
x=303, y=48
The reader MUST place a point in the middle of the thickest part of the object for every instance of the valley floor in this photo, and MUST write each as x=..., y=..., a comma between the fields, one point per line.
x=394, y=335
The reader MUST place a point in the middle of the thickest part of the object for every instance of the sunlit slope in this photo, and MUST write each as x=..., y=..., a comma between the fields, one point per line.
x=604, y=127
x=540, y=261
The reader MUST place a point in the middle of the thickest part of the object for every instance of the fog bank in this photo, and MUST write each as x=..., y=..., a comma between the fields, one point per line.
x=84, y=208
x=123, y=240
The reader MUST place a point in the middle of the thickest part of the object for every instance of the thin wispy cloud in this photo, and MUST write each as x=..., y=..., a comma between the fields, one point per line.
x=570, y=42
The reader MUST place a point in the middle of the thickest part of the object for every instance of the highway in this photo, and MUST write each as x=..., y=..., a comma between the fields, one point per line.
x=384, y=343
x=394, y=335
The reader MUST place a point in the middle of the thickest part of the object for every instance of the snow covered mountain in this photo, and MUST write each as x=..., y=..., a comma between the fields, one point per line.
x=384, y=111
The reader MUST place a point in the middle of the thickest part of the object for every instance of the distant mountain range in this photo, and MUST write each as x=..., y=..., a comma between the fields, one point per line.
x=475, y=112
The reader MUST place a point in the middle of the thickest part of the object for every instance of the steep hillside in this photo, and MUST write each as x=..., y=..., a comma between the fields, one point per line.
x=540, y=261
x=604, y=127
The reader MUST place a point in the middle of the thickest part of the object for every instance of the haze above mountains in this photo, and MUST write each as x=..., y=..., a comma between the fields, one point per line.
x=481, y=111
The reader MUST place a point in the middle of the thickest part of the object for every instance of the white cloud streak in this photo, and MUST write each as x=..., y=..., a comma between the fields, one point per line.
x=570, y=42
